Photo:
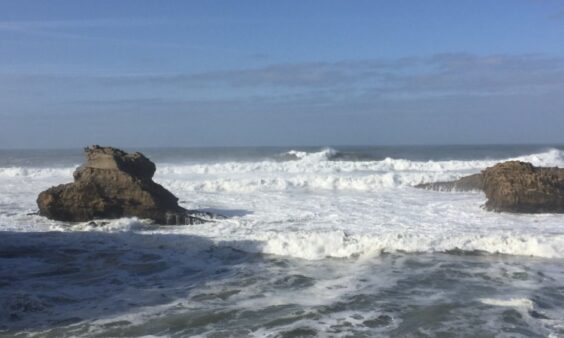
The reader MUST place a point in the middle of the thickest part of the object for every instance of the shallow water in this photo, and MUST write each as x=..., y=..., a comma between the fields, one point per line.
x=316, y=243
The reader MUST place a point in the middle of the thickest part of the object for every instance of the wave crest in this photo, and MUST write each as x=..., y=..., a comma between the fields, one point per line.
x=315, y=245
x=315, y=170
x=325, y=154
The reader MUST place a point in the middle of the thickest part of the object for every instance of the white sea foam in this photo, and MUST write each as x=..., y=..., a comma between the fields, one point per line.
x=312, y=182
x=323, y=155
x=523, y=303
x=290, y=208
x=309, y=163
x=368, y=242
x=36, y=173
x=311, y=206
x=321, y=163
x=316, y=172
x=337, y=243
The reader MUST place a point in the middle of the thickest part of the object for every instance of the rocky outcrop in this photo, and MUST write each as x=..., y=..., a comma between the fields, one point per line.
x=114, y=184
x=468, y=183
x=515, y=186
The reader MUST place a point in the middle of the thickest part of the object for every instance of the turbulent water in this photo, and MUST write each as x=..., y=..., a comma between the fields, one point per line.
x=317, y=242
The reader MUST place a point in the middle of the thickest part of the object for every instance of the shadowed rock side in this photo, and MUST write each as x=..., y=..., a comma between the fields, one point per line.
x=513, y=186
x=114, y=184
x=520, y=187
x=467, y=183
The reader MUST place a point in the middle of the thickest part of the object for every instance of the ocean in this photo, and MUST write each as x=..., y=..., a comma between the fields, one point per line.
x=317, y=242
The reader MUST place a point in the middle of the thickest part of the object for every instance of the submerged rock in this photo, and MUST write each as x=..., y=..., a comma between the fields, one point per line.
x=513, y=186
x=467, y=183
x=114, y=184
x=521, y=187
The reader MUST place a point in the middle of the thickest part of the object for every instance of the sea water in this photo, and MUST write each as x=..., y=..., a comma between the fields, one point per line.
x=328, y=242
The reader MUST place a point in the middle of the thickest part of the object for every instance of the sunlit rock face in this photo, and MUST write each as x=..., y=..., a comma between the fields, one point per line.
x=113, y=184
x=515, y=186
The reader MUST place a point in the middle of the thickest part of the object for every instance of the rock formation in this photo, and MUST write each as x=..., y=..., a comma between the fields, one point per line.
x=114, y=184
x=520, y=187
x=513, y=186
x=466, y=183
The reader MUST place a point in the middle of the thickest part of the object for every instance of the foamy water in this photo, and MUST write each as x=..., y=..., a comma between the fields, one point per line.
x=333, y=229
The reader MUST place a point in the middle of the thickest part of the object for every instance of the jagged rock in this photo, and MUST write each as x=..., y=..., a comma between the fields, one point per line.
x=135, y=164
x=114, y=184
x=467, y=183
x=515, y=186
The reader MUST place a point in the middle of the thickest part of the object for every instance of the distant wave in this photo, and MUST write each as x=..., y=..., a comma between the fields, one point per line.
x=320, y=162
x=315, y=171
x=309, y=170
x=323, y=155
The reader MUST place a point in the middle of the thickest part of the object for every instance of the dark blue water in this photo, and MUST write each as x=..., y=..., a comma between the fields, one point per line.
x=69, y=157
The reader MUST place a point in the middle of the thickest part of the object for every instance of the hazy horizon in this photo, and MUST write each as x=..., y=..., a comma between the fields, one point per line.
x=148, y=74
x=287, y=146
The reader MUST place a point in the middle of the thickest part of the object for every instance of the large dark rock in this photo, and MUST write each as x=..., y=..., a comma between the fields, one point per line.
x=466, y=183
x=114, y=184
x=515, y=186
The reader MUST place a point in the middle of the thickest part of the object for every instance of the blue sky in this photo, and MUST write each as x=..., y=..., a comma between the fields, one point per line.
x=245, y=73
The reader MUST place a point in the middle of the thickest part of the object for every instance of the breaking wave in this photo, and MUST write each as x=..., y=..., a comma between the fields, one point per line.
x=308, y=170
x=323, y=155
x=312, y=182
x=304, y=162
x=323, y=243
x=321, y=162
x=340, y=244
x=317, y=171
x=30, y=172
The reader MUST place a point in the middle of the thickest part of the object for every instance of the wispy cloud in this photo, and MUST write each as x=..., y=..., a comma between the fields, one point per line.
x=27, y=25
x=82, y=31
x=75, y=29
x=442, y=73
x=360, y=85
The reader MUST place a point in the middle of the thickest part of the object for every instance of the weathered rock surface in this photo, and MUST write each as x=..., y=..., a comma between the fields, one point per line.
x=114, y=184
x=515, y=186
x=467, y=183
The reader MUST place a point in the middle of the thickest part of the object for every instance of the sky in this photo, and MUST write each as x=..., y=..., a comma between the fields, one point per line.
x=263, y=73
